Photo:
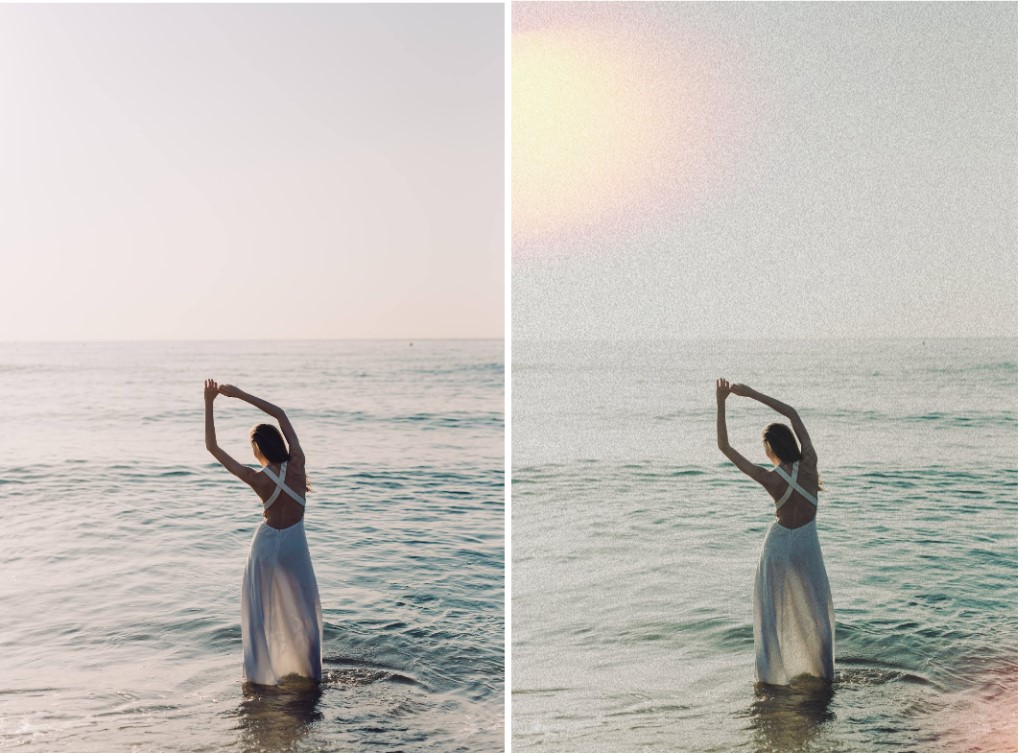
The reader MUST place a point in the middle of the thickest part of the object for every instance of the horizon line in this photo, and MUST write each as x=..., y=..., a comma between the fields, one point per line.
x=780, y=338
x=256, y=339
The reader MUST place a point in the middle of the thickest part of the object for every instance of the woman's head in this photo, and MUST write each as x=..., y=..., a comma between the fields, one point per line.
x=780, y=444
x=267, y=441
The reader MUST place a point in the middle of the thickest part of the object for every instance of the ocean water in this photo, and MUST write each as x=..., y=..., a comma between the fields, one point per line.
x=124, y=542
x=635, y=543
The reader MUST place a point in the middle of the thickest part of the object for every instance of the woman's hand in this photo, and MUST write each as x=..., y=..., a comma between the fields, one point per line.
x=741, y=390
x=229, y=390
x=723, y=389
x=210, y=390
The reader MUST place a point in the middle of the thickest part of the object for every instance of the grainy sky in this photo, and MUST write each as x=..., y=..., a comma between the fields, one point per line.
x=251, y=171
x=764, y=169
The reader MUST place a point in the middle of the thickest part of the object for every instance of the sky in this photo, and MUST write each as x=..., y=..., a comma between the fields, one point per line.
x=251, y=171
x=776, y=170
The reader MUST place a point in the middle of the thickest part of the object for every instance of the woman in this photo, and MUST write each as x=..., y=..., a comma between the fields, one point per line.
x=793, y=616
x=281, y=621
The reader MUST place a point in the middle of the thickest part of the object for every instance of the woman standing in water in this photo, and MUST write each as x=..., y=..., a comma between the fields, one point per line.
x=281, y=621
x=793, y=615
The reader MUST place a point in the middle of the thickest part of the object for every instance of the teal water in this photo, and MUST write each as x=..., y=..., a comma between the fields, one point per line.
x=122, y=554
x=635, y=544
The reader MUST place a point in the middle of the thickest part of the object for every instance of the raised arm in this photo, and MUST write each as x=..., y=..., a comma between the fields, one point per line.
x=785, y=410
x=745, y=465
x=278, y=413
x=246, y=474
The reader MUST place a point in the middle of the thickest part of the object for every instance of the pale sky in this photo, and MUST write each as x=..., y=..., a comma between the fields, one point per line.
x=764, y=170
x=251, y=171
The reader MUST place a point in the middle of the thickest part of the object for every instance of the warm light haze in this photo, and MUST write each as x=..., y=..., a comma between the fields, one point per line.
x=694, y=170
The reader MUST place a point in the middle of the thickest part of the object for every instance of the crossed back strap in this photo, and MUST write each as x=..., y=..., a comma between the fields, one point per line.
x=793, y=485
x=281, y=486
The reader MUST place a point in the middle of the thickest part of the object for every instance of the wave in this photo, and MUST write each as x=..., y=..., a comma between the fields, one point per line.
x=349, y=671
x=1010, y=367
x=932, y=418
x=450, y=421
x=430, y=420
x=964, y=420
x=494, y=368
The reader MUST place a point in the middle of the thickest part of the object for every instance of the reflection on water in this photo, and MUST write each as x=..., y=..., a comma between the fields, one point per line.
x=788, y=718
x=275, y=718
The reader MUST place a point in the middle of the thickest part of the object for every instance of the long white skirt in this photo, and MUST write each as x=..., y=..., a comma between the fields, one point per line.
x=793, y=615
x=281, y=620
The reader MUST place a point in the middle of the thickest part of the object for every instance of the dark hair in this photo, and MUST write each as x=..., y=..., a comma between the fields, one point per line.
x=782, y=442
x=270, y=443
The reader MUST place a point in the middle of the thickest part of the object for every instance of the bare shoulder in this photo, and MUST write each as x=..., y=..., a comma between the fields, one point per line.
x=256, y=480
x=296, y=470
x=773, y=483
x=810, y=468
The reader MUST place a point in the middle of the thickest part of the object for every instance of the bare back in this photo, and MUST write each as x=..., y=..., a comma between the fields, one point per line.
x=796, y=511
x=284, y=512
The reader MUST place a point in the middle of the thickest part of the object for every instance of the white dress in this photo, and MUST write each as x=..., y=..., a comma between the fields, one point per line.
x=793, y=614
x=281, y=620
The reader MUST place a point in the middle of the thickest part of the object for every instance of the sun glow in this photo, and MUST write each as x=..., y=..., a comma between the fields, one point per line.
x=606, y=129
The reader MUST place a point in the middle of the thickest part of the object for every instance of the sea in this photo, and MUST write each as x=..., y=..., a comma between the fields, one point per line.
x=123, y=545
x=635, y=543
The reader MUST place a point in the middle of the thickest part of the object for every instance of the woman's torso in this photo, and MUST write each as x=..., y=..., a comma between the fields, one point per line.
x=797, y=511
x=284, y=512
